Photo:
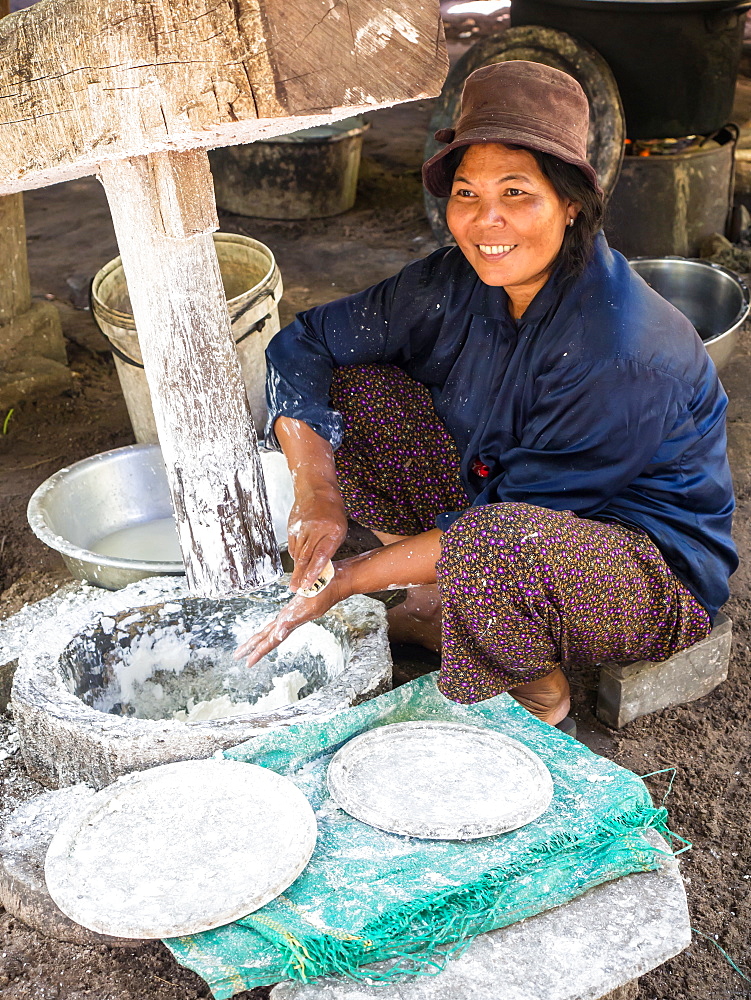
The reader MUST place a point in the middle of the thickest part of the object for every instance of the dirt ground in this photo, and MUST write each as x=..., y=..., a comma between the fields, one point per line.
x=708, y=742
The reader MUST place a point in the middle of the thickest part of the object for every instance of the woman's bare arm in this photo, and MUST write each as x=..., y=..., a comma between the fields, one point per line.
x=318, y=521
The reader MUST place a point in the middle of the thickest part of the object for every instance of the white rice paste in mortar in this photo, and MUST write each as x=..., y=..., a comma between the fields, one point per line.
x=285, y=691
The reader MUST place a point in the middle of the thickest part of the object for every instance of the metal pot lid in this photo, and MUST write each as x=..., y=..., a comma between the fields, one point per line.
x=180, y=848
x=439, y=781
x=607, y=129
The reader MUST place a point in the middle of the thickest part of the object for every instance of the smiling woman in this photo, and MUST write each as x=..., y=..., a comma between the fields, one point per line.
x=535, y=435
x=508, y=220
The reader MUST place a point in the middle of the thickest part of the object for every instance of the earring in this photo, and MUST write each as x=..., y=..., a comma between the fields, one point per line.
x=570, y=222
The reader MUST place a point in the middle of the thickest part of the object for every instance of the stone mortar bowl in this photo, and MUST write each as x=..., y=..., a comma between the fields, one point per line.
x=99, y=680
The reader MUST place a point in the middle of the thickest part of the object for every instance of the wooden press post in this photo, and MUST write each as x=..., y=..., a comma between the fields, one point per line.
x=137, y=91
x=164, y=213
x=15, y=292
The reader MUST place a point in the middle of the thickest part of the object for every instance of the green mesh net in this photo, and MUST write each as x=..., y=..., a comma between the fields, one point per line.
x=367, y=896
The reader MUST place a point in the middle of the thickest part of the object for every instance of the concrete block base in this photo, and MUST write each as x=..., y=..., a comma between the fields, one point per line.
x=34, y=333
x=31, y=378
x=594, y=947
x=32, y=356
x=630, y=690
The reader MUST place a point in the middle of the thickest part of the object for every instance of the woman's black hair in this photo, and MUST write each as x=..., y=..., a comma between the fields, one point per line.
x=570, y=184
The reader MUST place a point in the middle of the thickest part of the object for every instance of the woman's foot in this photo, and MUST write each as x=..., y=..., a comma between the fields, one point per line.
x=548, y=698
x=418, y=618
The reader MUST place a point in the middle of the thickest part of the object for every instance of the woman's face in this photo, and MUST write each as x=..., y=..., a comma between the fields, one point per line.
x=507, y=219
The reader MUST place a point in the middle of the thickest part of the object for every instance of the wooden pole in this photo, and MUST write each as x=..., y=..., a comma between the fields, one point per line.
x=15, y=292
x=164, y=212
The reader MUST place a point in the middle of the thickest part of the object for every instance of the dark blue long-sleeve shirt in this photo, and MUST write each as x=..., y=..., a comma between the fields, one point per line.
x=601, y=399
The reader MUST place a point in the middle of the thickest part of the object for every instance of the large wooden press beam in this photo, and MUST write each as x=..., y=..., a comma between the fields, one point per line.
x=137, y=90
x=83, y=81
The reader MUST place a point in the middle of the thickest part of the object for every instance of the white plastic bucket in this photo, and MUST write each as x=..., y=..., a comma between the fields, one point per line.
x=253, y=286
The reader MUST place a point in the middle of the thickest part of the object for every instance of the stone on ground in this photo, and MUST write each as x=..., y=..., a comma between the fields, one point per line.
x=591, y=948
x=630, y=690
x=23, y=847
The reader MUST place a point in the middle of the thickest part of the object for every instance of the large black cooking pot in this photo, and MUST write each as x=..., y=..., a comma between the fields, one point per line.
x=675, y=61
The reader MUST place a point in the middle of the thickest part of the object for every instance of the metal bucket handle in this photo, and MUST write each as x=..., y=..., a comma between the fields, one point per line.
x=255, y=328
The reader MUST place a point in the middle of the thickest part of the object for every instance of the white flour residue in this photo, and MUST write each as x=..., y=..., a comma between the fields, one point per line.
x=402, y=26
x=279, y=490
x=309, y=640
x=162, y=650
x=377, y=32
x=328, y=808
x=315, y=640
x=285, y=690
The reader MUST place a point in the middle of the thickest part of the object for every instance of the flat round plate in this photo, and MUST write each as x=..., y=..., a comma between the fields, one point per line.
x=180, y=849
x=439, y=780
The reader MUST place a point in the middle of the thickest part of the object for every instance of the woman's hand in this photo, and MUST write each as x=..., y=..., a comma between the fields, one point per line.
x=408, y=563
x=317, y=527
x=299, y=611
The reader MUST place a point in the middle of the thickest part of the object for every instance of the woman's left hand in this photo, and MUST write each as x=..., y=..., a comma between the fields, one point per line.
x=299, y=611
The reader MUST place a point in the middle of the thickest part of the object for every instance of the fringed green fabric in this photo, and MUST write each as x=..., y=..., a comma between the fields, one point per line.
x=407, y=905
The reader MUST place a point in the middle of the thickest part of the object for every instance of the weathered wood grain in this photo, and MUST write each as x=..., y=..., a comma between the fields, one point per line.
x=163, y=211
x=15, y=293
x=83, y=81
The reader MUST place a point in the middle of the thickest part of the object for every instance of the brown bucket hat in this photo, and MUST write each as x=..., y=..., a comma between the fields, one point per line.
x=521, y=103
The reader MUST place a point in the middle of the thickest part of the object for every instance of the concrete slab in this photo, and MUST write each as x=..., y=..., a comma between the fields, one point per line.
x=591, y=948
x=630, y=690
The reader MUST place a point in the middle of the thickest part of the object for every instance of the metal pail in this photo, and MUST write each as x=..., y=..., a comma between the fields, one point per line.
x=310, y=174
x=253, y=286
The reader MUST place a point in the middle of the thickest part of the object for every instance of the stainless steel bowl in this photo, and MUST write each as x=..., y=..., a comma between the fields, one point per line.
x=78, y=506
x=72, y=510
x=714, y=298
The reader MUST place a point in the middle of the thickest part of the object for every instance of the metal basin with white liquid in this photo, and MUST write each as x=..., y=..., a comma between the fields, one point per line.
x=118, y=501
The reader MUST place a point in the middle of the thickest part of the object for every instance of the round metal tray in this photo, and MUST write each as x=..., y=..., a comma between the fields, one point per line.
x=439, y=781
x=180, y=849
